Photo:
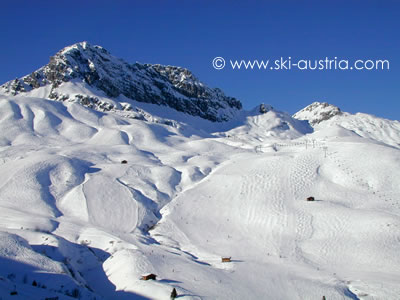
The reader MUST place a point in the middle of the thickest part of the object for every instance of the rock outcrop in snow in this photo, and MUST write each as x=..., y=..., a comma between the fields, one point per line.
x=94, y=67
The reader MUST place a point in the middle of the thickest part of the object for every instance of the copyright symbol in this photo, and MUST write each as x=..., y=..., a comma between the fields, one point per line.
x=218, y=63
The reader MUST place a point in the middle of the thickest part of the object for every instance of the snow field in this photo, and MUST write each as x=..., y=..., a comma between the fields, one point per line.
x=73, y=215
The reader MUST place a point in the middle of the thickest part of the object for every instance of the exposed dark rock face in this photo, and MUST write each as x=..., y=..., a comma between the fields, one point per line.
x=263, y=109
x=171, y=86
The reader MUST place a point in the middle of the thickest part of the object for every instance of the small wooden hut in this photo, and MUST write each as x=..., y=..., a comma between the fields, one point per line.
x=149, y=277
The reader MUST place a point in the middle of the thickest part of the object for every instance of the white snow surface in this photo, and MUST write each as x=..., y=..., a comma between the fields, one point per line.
x=80, y=224
x=323, y=116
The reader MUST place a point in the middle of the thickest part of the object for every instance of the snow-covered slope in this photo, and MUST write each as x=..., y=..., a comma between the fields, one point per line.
x=322, y=116
x=64, y=189
x=77, y=222
x=93, y=77
x=265, y=123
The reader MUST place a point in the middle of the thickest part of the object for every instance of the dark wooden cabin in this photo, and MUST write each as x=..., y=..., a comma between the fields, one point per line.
x=149, y=276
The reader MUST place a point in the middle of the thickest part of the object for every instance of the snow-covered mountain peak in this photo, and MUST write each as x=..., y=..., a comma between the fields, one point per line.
x=93, y=68
x=81, y=46
x=317, y=112
x=323, y=117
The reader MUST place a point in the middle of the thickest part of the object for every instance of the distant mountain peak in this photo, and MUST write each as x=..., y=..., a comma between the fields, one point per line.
x=317, y=112
x=95, y=67
x=264, y=108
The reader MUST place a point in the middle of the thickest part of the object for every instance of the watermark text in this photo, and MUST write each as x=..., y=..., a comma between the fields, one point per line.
x=289, y=63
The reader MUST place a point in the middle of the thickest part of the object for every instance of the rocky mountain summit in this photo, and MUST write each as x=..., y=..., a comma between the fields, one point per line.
x=94, y=67
x=317, y=112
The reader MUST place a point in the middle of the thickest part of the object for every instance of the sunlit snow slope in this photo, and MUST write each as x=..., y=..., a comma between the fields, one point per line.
x=324, y=115
x=76, y=223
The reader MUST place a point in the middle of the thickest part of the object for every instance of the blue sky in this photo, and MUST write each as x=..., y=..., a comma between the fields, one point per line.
x=192, y=33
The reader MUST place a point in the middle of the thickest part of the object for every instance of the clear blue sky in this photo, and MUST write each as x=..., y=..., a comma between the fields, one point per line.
x=191, y=33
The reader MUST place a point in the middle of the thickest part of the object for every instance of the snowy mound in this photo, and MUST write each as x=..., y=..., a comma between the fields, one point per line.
x=334, y=132
x=368, y=126
x=94, y=76
x=265, y=123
